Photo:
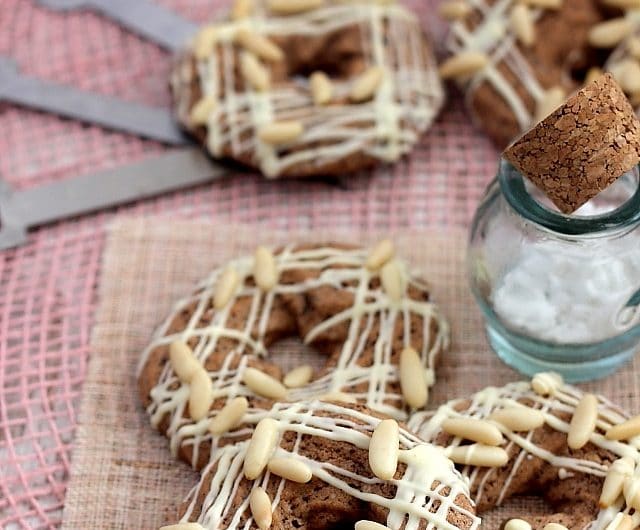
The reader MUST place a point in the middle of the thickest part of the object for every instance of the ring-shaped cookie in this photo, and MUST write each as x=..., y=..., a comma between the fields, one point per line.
x=324, y=465
x=298, y=88
x=577, y=450
x=206, y=379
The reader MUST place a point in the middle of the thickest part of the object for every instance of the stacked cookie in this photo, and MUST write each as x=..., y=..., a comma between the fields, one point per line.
x=264, y=441
x=324, y=448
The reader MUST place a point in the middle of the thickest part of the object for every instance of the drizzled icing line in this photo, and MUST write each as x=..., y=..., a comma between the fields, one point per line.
x=495, y=37
x=384, y=128
x=414, y=500
x=562, y=400
x=338, y=268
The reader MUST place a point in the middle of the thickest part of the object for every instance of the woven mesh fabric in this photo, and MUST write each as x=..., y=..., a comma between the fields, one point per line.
x=123, y=475
x=48, y=287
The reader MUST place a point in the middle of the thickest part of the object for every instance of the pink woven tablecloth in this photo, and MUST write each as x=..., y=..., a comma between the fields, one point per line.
x=48, y=287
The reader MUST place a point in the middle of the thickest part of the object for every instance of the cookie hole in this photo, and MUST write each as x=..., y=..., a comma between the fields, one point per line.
x=291, y=352
x=338, y=54
x=522, y=507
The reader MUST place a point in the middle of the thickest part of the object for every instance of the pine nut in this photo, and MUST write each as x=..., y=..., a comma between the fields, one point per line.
x=625, y=430
x=517, y=524
x=201, y=110
x=366, y=85
x=522, y=23
x=241, y=9
x=263, y=384
x=341, y=397
x=383, y=449
x=200, y=395
x=262, y=444
x=622, y=521
x=462, y=65
x=229, y=416
x=370, y=525
x=554, y=526
x=629, y=76
x=290, y=469
x=380, y=254
x=472, y=429
x=280, y=132
x=546, y=383
x=592, y=74
x=518, y=418
x=183, y=526
x=393, y=280
x=478, y=455
x=254, y=72
x=412, y=381
x=454, y=9
x=183, y=362
x=543, y=4
x=552, y=99
x=583, y=422
x=618, y=472
x=622, y=4
x=290, y=7
x=225, y=288
x=631, y=492
x=321, y=88
x=299, y=376
x=608, y=34
x=204, y=42
x=265, y=271
x=260, y=505
x=633, y=46
x=260, y=45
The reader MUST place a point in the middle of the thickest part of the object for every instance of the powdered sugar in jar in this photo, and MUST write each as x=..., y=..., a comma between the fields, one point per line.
x=557, y=291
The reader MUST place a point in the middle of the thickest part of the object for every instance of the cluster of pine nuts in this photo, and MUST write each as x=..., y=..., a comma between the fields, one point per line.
x=257, y=51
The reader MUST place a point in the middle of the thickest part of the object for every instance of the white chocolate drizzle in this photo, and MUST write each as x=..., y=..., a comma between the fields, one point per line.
x=373, y=318
x=496, y=37
x=426, y=491
x=385, y=127
x=561, y=402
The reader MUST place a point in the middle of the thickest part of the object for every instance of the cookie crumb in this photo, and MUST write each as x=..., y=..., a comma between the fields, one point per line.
x=582, y=147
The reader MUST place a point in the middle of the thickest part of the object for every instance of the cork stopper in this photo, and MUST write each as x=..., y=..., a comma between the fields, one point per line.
x=582, y=147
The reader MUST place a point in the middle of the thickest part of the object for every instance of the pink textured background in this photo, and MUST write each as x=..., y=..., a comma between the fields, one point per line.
x=48, y=287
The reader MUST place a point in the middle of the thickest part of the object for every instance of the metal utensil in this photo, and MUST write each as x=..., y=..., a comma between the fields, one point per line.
x=21, y=210
x=88, y=107
x=151, y=21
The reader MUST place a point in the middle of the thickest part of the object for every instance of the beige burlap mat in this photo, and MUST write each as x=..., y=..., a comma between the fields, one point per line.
x=122, y=473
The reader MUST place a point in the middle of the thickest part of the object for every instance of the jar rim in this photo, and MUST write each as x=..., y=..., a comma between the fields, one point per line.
x=513, y=188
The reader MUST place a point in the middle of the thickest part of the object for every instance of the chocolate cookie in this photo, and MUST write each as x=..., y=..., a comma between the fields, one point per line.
x=205, y=378
x=297, y=88
x=517, y=61
x=577, y=450
x=325, y=465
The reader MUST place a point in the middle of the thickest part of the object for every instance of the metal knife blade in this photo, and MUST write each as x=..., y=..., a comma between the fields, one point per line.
x=151, y=21
x=112, y=113
x=21, y=210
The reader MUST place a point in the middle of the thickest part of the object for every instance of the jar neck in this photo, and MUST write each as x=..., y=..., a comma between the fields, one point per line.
x=622, y=217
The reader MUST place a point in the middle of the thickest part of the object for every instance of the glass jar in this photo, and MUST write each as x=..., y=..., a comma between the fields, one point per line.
x=558, y=292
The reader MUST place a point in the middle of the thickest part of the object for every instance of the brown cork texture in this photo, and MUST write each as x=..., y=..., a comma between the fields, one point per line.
x=582, y=147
